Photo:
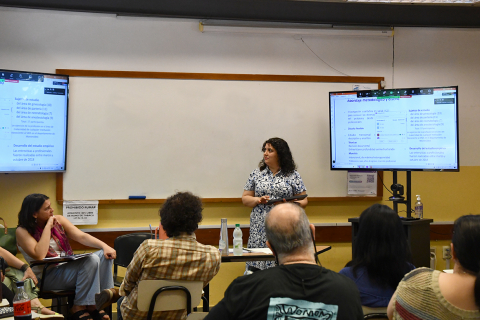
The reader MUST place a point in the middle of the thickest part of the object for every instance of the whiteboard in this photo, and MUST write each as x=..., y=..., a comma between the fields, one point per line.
x=154, y=137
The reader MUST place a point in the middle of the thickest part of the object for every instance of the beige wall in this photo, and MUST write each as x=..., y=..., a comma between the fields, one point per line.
x=445, y=195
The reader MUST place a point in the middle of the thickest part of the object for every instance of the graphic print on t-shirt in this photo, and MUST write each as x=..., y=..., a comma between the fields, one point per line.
x=290, y=309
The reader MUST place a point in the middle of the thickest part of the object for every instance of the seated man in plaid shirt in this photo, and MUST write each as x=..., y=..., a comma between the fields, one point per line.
x=175, y=256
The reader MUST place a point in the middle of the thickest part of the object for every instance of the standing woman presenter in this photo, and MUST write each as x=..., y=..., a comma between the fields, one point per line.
x=275, y=178
x=40, y=234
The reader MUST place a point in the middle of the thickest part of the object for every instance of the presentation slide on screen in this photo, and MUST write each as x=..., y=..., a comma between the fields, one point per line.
x=402, y=129
x=33, y=121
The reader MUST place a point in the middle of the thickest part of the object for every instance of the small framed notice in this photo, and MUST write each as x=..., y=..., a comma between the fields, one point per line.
x=362, y=183
x=81, y=212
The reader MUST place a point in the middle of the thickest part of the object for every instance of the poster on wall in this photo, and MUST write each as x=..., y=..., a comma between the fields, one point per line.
x=362, y=183
x=81, y=212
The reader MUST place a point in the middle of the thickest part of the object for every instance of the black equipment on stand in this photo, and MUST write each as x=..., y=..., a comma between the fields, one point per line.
x=398, y=197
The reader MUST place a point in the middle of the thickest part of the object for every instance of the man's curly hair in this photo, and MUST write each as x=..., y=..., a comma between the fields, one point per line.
x=285, y=158
x=181, y=212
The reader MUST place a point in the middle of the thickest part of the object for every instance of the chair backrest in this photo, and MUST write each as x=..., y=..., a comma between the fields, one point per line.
x=126, y=246
x=375, y=316
x=197, y=315
x=374, y=313
x=172, y=299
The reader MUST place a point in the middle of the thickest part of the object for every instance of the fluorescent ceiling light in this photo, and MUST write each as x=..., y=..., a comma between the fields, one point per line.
x=294, y=29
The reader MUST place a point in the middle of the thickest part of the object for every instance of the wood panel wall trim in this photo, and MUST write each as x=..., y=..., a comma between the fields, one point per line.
x=225, y=200
x=323, y=234
x=217, y=76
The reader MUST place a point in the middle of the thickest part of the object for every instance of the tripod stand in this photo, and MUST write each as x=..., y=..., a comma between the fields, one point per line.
x=398, y=192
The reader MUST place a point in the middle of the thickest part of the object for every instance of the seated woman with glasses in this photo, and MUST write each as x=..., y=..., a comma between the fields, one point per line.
x=380, y=257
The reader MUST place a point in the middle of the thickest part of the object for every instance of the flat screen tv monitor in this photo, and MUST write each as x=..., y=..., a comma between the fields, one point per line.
x=33, y=121
x=397, y=129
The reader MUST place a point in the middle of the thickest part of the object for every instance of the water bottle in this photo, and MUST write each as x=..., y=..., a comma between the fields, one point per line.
x=22, y=309
x=419, y=208
x=237, y=241
x=223, y=243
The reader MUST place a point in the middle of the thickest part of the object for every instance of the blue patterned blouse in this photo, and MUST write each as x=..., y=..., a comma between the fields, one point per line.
x=264, y=183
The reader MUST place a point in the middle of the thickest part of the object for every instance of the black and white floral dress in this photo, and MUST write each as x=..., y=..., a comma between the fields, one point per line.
x=264, y=183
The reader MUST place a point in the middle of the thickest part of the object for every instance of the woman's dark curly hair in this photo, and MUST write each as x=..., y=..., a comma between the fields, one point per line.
x=181, y=212
x=31, y=204
x=285, y=158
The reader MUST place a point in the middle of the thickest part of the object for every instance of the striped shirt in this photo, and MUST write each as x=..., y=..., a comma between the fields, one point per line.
x=176, y=258
x=418, y=296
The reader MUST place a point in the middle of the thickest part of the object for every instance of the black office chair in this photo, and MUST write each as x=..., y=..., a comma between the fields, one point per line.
x=58, y=295
x=126, y=246
x=375, y=316
x=374, y=313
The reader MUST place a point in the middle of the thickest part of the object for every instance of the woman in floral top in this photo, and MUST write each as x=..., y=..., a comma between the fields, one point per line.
x=275, y=178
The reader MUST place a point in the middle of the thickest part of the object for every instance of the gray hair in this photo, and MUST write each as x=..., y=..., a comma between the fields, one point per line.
x=289, y=237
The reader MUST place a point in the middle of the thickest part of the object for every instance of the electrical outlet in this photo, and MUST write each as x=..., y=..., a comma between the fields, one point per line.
x=433, y=258
x=447, y=254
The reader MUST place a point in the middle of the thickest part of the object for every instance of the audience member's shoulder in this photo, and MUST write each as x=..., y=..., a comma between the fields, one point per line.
x=343, y=284
x=258, y=277
x=209, y=250
x=145, y=246
x=330, y=272
x=359, y=274
x=149, y=243
x=213, y=251
x=340, y=278
x=347, y=271
x=419, y=273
